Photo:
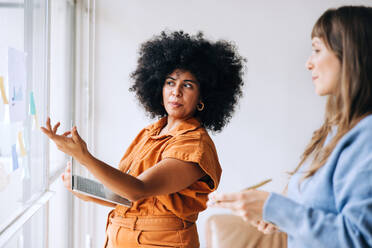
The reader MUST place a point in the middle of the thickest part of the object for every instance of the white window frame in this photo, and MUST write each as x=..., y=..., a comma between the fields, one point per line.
x=82, y=212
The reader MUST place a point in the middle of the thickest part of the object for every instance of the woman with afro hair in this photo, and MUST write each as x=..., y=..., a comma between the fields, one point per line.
x=191, y=85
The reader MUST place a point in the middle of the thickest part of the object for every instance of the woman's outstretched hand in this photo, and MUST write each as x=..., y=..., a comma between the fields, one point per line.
x=72, y=145
x=247, y=204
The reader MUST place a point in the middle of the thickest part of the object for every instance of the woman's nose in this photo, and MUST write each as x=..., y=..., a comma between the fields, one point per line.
x=309, y=64
x=176, y=91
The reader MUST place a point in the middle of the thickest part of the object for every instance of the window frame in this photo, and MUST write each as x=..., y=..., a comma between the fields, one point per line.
x=82, y=19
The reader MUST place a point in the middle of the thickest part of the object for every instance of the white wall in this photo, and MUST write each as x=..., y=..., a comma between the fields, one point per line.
x=278, y=112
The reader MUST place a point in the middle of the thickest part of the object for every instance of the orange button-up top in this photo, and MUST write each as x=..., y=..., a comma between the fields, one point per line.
x=187, y=142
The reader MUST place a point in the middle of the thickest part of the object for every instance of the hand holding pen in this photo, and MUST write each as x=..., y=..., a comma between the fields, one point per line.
x=247, y=203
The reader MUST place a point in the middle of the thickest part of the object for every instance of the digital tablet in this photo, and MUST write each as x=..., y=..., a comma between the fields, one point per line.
x=97, y=190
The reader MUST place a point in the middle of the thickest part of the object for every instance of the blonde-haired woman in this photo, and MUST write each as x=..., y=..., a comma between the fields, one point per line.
x=329, y=197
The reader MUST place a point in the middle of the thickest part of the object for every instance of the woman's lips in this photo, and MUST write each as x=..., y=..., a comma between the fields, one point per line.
x=175, y=104
x=314, y=78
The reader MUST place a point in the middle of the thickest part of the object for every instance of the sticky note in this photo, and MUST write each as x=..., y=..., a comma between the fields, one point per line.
x=32, y=104
x=14, y=157
x=2, y=91
x=17, y=79
x=33, y=109
x=36, y=122
x=21, y=144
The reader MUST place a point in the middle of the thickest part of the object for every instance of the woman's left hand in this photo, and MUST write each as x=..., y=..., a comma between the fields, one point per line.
x=247, y=204
x=265, y=227
x=74, y=146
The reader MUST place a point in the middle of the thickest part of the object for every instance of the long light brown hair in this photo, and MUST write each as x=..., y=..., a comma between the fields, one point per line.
x=347, y=32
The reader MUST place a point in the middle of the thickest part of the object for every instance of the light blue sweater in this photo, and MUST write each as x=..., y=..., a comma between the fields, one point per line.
x=333, y=208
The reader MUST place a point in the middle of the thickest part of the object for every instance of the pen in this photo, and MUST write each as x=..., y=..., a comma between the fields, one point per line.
x=258, y=185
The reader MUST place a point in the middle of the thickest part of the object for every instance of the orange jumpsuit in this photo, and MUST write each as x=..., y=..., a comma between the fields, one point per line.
x=165, y=220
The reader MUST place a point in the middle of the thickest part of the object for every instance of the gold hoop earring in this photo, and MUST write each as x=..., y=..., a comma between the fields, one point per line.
x=200, y=106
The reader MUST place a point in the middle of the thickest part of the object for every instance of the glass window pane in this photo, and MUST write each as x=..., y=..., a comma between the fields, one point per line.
x=22, y=78
x=61, y=73
x=11, y=24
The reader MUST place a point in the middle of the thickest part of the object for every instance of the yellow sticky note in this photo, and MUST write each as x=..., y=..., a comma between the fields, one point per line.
x=21, y=144
x=2, y=91
x=36, y=121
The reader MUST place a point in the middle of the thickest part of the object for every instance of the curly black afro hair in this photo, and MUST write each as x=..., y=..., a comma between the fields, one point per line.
x=216, y=65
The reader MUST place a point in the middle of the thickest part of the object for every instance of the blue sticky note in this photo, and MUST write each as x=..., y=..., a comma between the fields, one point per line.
x=14, y=157
x=17, y=94
x=32, y=104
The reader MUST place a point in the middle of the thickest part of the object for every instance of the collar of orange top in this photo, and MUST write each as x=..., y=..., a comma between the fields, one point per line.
x=184, y=126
